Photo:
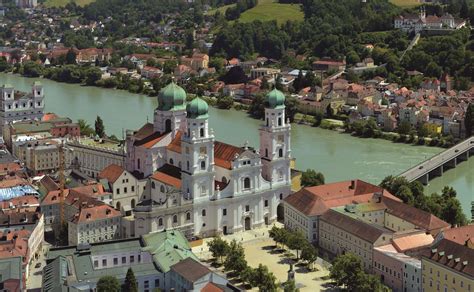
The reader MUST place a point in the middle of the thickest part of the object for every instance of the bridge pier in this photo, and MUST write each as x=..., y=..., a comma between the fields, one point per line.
x=424, y=179
x=450, y=164
x=438, y=171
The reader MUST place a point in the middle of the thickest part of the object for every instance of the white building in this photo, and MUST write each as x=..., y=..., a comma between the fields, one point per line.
x=17, y=106
x=417, y=23
x=230, y=188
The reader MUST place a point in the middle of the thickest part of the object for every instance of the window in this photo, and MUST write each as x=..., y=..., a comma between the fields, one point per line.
x=118, y=191
x=157, y=283
x=279, y=122
x=104, y=262
x=188, y=216
x=187, y=165
x=96, y=264
x=160, y=221
x=203, y=212
x=281, y=196
x=175, y=219
x=115, y=261
x=266, y=203
x=224, y=212
x=171, y=161
x=124, y=260
x=247, y=208
x=266, y=152
x=280, y=152
x=246, y=183
x=125, y=190
x=201, y=132
x=132, y=259
x=133, y=188
x=146, y=284
x=138, y=163
x=203, y=165
x=162, y=188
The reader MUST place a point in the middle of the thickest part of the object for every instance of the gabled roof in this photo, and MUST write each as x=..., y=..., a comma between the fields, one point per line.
x=145, y=131
x=418, y=217
x=175, y=144
x=453, y=256
x=459, y=235
x=360, y=229
x=224, y=154
x=111, y=173
x=413, y=241
x=190, y=269
x=150, y=140
x=168, y=174
x=96, y=213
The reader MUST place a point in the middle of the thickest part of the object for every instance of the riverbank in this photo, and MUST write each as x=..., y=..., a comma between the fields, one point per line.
x=338, y=156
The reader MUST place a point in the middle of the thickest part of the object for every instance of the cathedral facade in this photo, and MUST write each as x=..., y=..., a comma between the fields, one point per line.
x=203, y=186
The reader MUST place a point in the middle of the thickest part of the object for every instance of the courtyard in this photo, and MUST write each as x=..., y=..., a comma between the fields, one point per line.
x=260, y=249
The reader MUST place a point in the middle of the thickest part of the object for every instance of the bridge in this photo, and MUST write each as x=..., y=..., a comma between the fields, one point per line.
x=437, y=165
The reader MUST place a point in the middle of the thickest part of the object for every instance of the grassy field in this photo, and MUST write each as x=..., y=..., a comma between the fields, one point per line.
x=267, y=10
x=406, y=3
x=60, y=3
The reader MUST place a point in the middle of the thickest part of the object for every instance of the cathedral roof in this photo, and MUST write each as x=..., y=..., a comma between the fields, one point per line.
x=168, y=174
x=171, y=98
x=275, y=99
x=224, y=154
x=197, y=109
x=175, y=144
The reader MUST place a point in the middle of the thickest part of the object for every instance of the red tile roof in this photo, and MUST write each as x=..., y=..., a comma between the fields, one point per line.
x=224, y=154
x=459, y=235
x=413, y=241
x=151, y=140
x=190, y=269
x=168, y=174
x=175, y=144
x=96, y=213
x=111, y=173
x=211, y=287
x=145, y=131
x=453, y=256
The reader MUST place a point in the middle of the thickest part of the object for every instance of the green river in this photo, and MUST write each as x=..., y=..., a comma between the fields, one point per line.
x=339, y=156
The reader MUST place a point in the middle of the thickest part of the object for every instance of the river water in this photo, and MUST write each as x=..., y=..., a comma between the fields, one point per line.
x=338, y=156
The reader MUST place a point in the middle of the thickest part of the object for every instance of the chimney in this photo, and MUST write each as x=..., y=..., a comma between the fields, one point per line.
x=352, y=185
x=465, y=263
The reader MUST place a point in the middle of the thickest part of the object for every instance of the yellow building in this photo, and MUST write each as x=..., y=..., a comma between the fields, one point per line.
x=433, y=128
x=449, y=267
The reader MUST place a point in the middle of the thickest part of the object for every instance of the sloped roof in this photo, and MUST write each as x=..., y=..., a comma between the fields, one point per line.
x=453, y=256
x=413, y=241
x=94, y=213
x=459, y=234
x=356, y=227
x=150, y=140
x=190, y=269
x=175, y=144
x=415, y=216
x=169, y=174
x=111, y=173
x=167, y=248
x=224, y=154
x=145, y=131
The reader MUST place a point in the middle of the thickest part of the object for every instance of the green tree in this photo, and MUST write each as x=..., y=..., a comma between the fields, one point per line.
x=108, y=284
x=469, y=120
x=405, y=194
x=311, y=178
x=93, y=75
x=290, y=286
x=99, y=127
x=404, y=128
x=309, y=254
x=235, y=260
x=347, y=271
x=264, y=279
x=218, y=247
x=85, y=128
x=291, y=108
x=130, y=284
x=296, y=241
x=71, y=57
x=225, y=102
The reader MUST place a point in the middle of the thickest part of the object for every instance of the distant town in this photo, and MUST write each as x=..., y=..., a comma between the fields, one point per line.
x=171, y=206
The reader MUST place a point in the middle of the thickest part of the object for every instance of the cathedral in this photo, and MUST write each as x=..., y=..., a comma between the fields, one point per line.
x=200, y=185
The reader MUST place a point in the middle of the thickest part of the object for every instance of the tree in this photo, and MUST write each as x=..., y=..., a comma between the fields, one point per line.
x=71, y=57
x=309, y=254
x=225, y=102
x=347, y=271
x=130, y=284
x=108, y=284
x=85, y=128
x=311, y=178
x=371, y=283
x=469, y=120
x=235, y=260
x=218, y=247
x=93, y=75
x=235, y=75
x=404, y=128
x=264, y=279
x=99, y=127
x=296, y=241
x=290, y=286
x=405, y=194
x=291, y=108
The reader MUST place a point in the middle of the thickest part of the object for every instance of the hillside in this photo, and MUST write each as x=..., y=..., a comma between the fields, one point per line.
x=60, y=3
x=269, y=10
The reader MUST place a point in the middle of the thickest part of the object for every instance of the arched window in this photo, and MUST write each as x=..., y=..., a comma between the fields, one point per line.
x=188, y=216
x=224, y=179
x=279, y=122
x=280, y=152
x=266, y=152
x=162, y=188
x=201, y=132
x=160, y=221
x=203, y=165
x=133, y=203
x=171, y=161
x=267, y=122
x=117, y=206
x=187, y=165
x=247, y=183
x=138, y=163
x=168, y=125
x=203, y=212
x=175, y=219
x=281, y=196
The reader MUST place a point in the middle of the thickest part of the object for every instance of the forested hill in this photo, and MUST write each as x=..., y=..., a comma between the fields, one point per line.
x=329, y=29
